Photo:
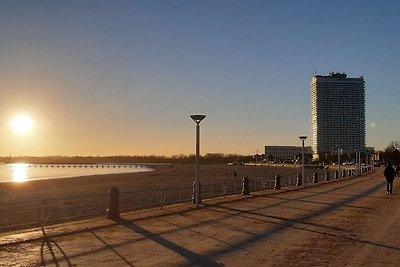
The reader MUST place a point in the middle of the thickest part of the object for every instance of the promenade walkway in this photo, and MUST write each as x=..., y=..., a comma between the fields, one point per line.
x=349, y=222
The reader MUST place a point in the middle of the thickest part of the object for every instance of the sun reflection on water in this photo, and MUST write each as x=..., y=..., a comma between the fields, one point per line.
x=20, y=172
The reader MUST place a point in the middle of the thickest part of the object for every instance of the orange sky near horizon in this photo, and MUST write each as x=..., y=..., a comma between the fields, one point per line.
x=122, y=77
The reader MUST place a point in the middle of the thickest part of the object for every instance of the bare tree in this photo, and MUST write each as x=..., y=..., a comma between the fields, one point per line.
x=392, y=146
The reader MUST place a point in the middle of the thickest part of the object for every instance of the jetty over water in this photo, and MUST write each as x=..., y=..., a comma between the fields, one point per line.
x=101, y=165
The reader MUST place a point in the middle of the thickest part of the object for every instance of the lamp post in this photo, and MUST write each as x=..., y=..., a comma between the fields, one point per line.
x=357, y=159
x=197, y=119
x=302, y=138
x=339, y=153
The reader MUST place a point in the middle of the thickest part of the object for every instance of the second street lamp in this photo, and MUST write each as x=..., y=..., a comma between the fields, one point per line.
x=302, y=138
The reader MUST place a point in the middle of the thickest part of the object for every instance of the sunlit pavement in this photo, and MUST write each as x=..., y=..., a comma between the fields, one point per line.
x=316, y=225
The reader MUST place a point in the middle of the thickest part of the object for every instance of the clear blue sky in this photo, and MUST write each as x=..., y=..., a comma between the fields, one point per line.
x=122, y=77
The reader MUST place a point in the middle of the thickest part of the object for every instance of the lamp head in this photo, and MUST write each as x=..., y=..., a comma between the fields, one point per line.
x=197, y=118
x=303, y=137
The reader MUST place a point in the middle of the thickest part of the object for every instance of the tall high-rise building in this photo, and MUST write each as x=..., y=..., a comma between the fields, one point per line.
x=338, y=114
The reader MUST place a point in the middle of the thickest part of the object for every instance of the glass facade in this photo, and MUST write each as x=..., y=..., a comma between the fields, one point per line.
x=337, y=113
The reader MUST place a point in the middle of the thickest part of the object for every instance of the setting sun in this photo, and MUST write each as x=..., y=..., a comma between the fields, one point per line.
x=21, y=124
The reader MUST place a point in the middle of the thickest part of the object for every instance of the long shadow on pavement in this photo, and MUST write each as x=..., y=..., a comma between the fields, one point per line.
x=110, y=248
x=191, y=256
x=48, y=242
x=292, y=223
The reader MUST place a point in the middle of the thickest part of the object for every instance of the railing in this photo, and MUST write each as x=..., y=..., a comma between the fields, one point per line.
x=36, y=213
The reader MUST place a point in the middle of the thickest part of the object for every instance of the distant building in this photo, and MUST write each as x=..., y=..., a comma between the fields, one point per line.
x=338, y=114
x=286, y=153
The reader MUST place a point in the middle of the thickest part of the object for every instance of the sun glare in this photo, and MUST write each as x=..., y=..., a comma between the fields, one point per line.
x=22, y=124
x=20, y=172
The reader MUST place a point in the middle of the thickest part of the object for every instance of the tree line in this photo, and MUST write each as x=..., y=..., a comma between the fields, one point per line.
x=209, y=158
x=391, y=153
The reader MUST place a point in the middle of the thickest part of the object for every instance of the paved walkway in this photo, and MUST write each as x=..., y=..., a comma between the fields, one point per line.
x=350, y=222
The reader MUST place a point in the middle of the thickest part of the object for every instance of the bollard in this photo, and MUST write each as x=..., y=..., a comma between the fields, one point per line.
x=224, y=189
x=336, y=175
x=343, y=173
x=245, y=186
x=113, y=209
x=299, y=180
x=277, y=185
x=349, y=172
x=326, y=176
x=194, y=193
x=315, y=178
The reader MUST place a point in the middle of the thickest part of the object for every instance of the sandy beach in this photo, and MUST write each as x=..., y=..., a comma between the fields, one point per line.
x=20, y=202
x=162, y=177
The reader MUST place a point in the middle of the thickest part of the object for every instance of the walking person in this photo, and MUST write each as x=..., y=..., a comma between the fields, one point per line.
x=389, y=173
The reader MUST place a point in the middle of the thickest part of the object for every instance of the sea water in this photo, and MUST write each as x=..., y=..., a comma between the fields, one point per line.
x=21, y=172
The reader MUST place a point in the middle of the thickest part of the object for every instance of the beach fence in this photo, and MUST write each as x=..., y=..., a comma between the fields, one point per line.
x=42, y=212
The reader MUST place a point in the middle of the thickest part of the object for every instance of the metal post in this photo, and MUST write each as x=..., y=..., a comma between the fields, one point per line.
x=197, y=191
x=302, y=165
x=245, y=186
x=338, y=159
x=299, y=180
x=277, y=185
x=326, y=176
x=356, y=160
x=113, y=210
x=315, y=178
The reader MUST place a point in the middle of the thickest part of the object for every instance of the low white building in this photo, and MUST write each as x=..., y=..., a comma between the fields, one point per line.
x=287, y=153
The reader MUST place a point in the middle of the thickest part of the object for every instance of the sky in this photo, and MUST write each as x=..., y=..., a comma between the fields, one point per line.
x=122, y=77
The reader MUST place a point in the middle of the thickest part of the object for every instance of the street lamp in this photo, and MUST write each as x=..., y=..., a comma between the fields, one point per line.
x=356, y=159
x=197, y=119
x=339, y=153
x=302, y=138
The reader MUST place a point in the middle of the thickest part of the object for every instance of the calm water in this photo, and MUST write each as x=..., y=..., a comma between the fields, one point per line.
x=21, y=172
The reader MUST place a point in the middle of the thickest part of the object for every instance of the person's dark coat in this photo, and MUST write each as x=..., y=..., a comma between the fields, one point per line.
x=389, y=172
